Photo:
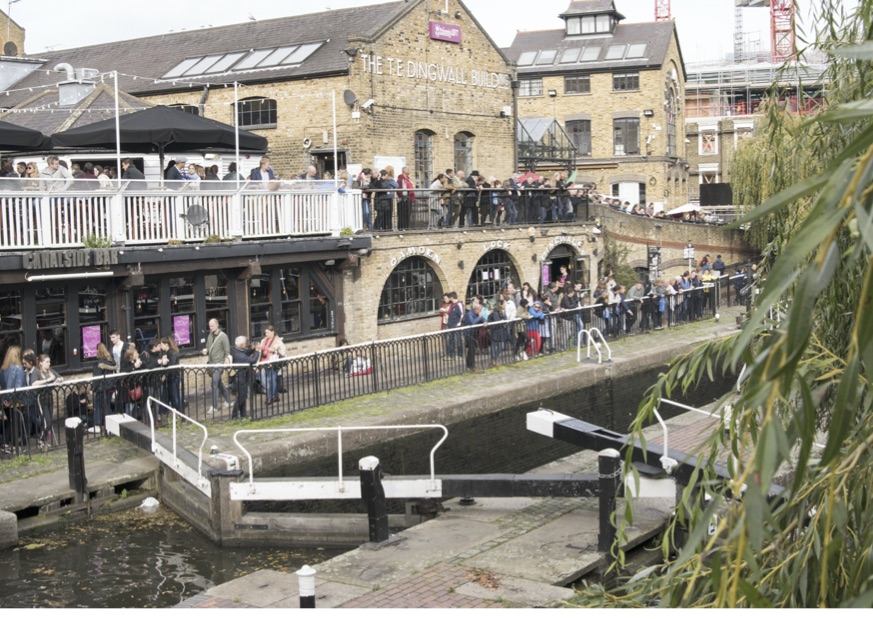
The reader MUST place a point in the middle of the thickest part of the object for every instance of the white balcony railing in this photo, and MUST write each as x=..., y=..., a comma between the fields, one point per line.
x=31, y=219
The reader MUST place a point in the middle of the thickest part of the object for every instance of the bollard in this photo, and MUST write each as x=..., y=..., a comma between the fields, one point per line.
x=75, y=430
x=306, y=586
x=374, y=495
x=609, y=469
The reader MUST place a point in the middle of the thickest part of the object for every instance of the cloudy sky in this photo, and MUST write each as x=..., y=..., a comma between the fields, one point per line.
x=705, y=26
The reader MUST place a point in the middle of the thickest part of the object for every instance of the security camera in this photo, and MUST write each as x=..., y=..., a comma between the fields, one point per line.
x=366, y=105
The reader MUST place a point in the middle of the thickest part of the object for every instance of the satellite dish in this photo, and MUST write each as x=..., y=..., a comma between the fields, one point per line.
x=307, y=142
x=10, y=49
x=350, y=97
x=197, y=215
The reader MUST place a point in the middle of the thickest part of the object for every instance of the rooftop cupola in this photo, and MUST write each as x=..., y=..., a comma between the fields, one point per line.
x=591, y=17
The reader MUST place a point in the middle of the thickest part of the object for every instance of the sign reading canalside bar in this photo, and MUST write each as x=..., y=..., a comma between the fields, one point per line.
x=70, y=258
x=430, y=71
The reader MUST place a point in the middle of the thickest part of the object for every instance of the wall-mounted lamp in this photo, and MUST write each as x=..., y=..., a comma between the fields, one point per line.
x=458, y=15
x=351, y=52
x=459, y=245
x=553, y=93
x=329, y=263
x=532, y=234
x=461, y=264
x=648, y=113
x=533, y=258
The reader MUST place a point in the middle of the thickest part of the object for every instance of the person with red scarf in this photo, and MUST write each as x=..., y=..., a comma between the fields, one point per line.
x=405, y=199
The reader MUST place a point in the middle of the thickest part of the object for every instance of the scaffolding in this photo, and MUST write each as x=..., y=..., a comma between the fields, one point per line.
x=717, y=89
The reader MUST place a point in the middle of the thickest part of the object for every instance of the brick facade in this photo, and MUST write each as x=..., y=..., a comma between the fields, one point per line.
x=417, y=84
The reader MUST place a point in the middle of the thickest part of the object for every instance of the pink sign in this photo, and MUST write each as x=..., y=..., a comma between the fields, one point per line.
x=445, y=32
x=90, y=339
x=547, y=275
x=182, y=330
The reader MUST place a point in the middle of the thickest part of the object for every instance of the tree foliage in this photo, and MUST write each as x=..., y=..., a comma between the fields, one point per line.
x=804, y=404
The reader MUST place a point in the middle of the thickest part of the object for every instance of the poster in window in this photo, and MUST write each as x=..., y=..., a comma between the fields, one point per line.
x=182, y=330
x=547, y=275
x=90, y=338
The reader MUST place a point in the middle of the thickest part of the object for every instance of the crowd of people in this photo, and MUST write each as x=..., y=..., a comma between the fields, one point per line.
x=60, y=175
x=456, y=198
x=695, y=216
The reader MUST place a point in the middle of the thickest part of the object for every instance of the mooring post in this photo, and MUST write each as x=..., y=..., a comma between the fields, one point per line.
x=609, y=469
x=374, y=495
x=306, y=586
x=75, y=431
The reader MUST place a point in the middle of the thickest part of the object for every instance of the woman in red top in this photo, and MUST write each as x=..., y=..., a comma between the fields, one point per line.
x=405, y=199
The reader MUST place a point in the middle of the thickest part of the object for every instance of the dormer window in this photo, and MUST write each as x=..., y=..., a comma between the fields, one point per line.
x=590, y=24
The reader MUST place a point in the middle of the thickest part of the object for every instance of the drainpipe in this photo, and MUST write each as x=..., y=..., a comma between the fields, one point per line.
x=202, y=104
x=514, y=84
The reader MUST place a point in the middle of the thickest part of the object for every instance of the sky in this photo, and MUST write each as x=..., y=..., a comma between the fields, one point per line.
x=705, y=26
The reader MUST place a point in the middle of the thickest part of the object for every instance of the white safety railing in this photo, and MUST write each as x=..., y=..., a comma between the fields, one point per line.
x=592, y=336
x=37, y=218
x=330, y=488
x=171, y=458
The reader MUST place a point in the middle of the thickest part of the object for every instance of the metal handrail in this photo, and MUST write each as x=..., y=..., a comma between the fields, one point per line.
x=592, y=340
x=176, y=413
x=339, y=430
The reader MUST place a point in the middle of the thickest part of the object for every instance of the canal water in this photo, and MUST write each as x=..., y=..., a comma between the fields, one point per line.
x=130, y=560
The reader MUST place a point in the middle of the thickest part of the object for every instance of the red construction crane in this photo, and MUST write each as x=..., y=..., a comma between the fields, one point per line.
x=782, y=12
x=662, y=10
x=782, y=29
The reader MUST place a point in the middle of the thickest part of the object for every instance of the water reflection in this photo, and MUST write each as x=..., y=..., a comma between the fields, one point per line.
x=130, y=560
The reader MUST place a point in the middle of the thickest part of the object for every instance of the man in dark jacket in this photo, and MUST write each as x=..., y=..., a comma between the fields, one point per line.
x=472, y=317
x=132, y=173
x=245, y=355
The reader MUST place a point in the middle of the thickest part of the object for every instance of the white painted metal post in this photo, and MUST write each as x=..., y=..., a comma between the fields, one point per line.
x=306, y=586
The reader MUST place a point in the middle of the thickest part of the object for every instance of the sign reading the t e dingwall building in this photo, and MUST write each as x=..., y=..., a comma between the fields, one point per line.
x=417, y=69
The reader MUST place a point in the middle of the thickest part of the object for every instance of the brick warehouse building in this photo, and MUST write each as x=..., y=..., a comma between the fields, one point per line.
x=416, y=81
x=616, y=91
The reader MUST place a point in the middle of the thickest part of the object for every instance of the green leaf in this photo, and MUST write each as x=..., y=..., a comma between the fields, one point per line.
x=753, y=502
x=850, y=112
x=843, y=408
x=864, y=51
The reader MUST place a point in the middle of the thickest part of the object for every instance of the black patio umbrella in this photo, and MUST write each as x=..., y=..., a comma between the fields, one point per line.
x=15, y=138
x=164, y=128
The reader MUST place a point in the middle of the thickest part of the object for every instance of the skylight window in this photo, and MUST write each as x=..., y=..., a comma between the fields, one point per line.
x=303, y=52
x=526, y=59
x=547, y=56
x=637, y=50
x=615, y=52
x=244, y=61
x=590, y=54
x=253, y=59
x=571, y=55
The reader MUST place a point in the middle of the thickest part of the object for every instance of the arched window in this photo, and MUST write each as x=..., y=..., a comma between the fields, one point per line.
x=184, y=107
x=256, y=112
x=424, y=158
x=492, y=273
x=412, y=289
x=464, y=151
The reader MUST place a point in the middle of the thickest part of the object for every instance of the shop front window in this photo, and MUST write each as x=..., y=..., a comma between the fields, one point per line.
x=412, y=290
x=51, y=324
x=146, y=313
x=183, y=312
x=260, y=304
x=289, y=281
x=492, y=273
x=217, y=305
x=92, y=320
x=10, y=321
x=318, y=309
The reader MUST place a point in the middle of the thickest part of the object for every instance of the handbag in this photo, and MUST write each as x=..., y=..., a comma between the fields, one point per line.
x=135, y=393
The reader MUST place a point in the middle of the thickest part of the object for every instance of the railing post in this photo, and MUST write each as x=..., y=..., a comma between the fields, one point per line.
x=116, y=219
x=374, y=496
x=374, y=364
x=609, y=468
x=306, y=586
x=236, y=216
x=316, y=379
x=75, y=430
x=424, y=351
